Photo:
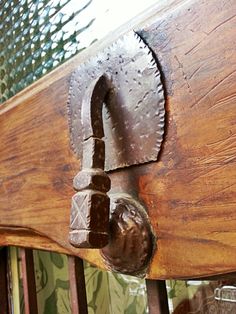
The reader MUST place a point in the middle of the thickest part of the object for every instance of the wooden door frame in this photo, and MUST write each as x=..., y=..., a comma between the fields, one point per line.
x=193, y=182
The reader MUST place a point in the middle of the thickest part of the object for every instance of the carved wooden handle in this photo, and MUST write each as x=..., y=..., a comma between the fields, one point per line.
x=90, y=205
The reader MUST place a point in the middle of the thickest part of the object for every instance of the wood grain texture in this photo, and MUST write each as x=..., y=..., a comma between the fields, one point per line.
x=190, y=193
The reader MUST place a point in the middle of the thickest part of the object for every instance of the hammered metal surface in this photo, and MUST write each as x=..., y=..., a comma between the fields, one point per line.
x=89, y=226
x=131, y=242
x=133, y=114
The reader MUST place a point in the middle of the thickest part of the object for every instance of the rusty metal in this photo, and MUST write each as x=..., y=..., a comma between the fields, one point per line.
x=124, y=79
x=131, y=241
x=90, y=205
x=133, y=115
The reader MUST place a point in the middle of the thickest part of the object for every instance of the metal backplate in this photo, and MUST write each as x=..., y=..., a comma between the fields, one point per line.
x=133, y=114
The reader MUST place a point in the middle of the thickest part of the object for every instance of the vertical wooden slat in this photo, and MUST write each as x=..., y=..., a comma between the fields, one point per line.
x=77, y=286
x=4, y=293
x=28, y=277
x=14, y=279
x=157, y=297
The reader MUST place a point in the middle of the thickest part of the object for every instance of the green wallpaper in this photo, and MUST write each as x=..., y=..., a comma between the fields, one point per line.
x=110, y=293
x=107, y=293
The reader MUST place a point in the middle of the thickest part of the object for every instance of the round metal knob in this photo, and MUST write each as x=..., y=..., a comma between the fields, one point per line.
x=131, y=241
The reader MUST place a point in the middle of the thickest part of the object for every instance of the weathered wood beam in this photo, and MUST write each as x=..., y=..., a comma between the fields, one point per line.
x=190, y=193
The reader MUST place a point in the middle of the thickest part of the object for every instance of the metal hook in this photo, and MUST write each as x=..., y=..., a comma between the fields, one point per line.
x=90, y=205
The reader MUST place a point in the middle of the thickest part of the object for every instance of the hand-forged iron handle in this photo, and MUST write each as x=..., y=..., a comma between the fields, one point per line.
x=90, y=205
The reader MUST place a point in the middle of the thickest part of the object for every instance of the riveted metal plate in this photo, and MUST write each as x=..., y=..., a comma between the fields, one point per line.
x=133, y=114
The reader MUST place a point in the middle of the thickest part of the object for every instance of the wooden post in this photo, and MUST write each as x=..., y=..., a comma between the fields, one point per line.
x=157, y=297
x=77, y=286
x=29, y=286
x=4, y=292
